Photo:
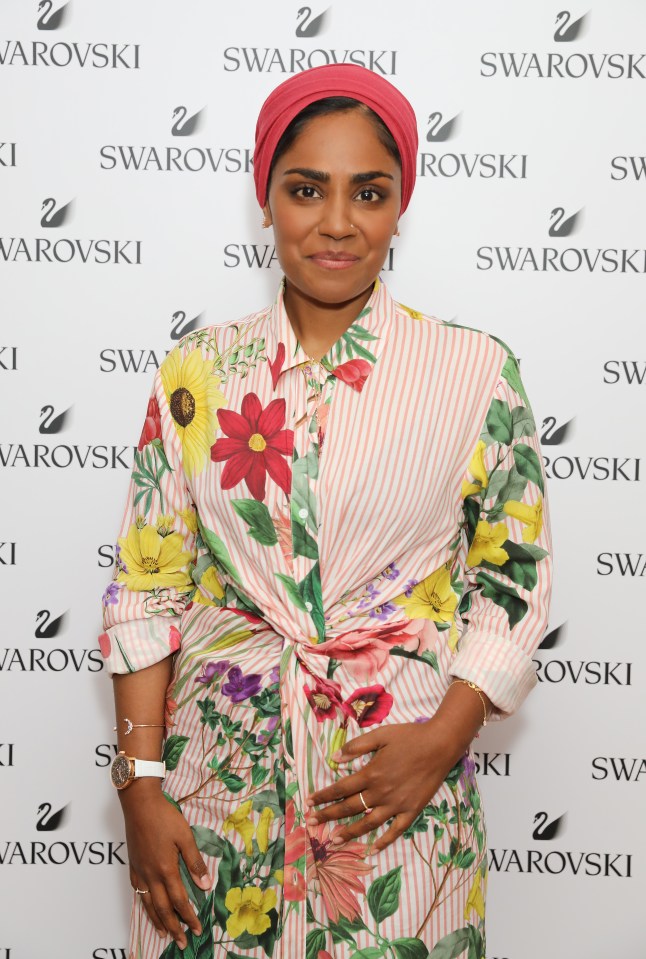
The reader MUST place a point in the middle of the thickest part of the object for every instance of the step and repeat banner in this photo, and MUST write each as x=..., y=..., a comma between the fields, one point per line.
x=128, y=217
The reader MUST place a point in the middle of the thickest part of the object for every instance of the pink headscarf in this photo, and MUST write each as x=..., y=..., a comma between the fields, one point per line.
x=335, y=80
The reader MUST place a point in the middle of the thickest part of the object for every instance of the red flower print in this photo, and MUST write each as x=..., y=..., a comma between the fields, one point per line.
x=294, y=886
x=250, y=617
x=276, y=366
x=368, y=705
x=174, y=639
x=254, y=446
x=152, y=424
x=354, y=373
x=338, y=870
x=324, y=699
x=105, y=645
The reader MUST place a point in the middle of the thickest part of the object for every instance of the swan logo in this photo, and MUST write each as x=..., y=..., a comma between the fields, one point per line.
x=620, y=371
x=46, y=627
x=180, y=326
x=309, y=24
x=569, y=66
x=50, y=19
x=603, y=865
x=7, y=154
x=577, y=672
x=262, y=256
x=571, y=259
x=177, y=159
x=52, y=217
x=6, y=754
x=8, y=358
x=63, y=250
x=183, y=125
x=628, y=168
x=48, y=821
x=52, y=423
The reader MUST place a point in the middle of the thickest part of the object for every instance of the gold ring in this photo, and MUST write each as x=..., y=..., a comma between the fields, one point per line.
x=365, y=805
x=142, y=892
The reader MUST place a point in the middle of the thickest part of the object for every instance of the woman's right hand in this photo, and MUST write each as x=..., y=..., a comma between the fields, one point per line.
x=157, y=835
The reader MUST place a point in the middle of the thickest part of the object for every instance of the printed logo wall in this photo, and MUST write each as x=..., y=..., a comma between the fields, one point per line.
x=129, y=219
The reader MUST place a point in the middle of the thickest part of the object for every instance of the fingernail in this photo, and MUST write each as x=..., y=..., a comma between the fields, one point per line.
x=337, y=841
x=311, y=821
x=205, y=882
x=309, y=801
x=336, y=757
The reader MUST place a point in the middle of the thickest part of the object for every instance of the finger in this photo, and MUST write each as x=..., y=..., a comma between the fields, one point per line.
x=146, y=902
x=346, y=786
x=166, y=912
x=195, y=864
x=368, y=823
x=398, y=826
x=359, y=746
x=352, y=806
x=182, y=904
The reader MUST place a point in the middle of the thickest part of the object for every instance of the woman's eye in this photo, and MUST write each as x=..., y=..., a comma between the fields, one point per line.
x=307, y=192
x=369, y=195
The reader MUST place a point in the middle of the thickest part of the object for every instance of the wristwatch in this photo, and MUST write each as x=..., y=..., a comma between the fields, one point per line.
x=126, y=768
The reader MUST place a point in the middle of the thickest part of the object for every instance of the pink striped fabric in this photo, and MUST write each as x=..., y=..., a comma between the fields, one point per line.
x=381, y=528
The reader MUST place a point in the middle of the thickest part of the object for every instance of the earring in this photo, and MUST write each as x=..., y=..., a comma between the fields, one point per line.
x=396, y=232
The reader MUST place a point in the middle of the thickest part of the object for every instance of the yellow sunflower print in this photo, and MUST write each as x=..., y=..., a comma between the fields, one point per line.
x=194, y=396
x=152, y=561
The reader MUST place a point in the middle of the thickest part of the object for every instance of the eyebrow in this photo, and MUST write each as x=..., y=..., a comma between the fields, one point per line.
x=325, y=177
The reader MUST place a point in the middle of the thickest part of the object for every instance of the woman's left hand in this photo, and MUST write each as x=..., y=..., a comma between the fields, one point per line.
x=410, y=763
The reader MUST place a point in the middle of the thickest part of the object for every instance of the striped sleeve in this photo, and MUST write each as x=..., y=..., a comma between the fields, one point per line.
x=154, y=553
x=506, y=553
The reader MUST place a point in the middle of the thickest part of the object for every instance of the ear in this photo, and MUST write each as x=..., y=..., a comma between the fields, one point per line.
x=267, y=220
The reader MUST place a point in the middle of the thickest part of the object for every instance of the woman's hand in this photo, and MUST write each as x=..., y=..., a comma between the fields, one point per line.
x=410, y=763
x=157, y=835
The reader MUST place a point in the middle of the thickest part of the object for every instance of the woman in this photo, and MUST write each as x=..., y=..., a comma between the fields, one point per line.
x=334, y=569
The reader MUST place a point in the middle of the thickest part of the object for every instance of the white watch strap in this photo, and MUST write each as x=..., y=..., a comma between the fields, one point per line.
x=147, y=767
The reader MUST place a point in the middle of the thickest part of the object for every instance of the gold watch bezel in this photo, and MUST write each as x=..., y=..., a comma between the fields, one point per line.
x=120, y=780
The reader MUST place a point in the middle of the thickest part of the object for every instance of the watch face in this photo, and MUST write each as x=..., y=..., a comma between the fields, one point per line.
x=120, y=771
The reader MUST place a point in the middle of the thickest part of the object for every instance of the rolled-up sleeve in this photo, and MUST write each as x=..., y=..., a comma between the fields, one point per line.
x=155, y=550
x=506, y=554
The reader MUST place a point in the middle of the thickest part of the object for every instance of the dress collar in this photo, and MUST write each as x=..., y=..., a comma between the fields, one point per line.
x=354, y=355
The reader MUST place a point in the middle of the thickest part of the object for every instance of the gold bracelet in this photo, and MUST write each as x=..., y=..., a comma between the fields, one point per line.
x=467, y=682
x=130, y=726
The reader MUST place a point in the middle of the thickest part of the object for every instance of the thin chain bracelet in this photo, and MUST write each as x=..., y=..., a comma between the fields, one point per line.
x=467, y=682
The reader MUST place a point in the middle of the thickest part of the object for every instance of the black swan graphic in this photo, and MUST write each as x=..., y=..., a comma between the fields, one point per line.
x=48, y=20
x=46, y=627
x=551, y=436
x=565, y=33
x=310, y=26
x=185, y=127
x=49, y=425
x=51, y=219
x=544, y=830
x=438, y=131
x=55, y=820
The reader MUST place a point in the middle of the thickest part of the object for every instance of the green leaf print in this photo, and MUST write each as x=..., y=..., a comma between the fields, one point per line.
x=314, y=942
x=452, y=945
x=522, y=422
x=464, y=858
x=292, y=590
x=503, y=595
x=514, y=488
x=268, y=797
x=409, y=948
x=511, y=373
x=173, y=749
x=498, y=421
x=383, y=895
x=257, y=517
x=521, y=565
x=234, y=783
x=310, y=588
x=476, y=944
x=428, y=656
x=228, y=877
x=535, y=551
x=370, y=952
x=528, y=464
x=198, y=947
x=303, y=543
x=208, y=841
x=219, y=551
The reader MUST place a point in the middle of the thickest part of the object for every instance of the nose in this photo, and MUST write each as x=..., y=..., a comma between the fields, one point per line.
x=336, y=216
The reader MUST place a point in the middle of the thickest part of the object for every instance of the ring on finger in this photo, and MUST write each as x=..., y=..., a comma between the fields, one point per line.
x=364, y=803
x=141, y=892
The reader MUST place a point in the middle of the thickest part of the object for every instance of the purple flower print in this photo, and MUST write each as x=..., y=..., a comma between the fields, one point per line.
x=422, y=719
x=373, y=592
x=468, y=771
x=410, y=586
x=274, y=675
x=391, y=572
x=241, y=687
x=383, y=612
x=211, y=670
x=110, y=597
x=265, y=734
x=118, y=562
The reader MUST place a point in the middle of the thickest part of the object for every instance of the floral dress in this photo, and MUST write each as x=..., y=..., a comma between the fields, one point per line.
x=323, y=548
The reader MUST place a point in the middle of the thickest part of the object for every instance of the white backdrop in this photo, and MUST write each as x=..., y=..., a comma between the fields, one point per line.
x=86, y=118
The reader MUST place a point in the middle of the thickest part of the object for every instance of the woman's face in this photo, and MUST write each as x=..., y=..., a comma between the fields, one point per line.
x=334, y=201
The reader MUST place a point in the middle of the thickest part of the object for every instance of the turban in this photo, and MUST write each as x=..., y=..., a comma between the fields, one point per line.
x=335, y=80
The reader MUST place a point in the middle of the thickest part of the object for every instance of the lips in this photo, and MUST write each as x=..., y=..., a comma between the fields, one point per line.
x=334, y=259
